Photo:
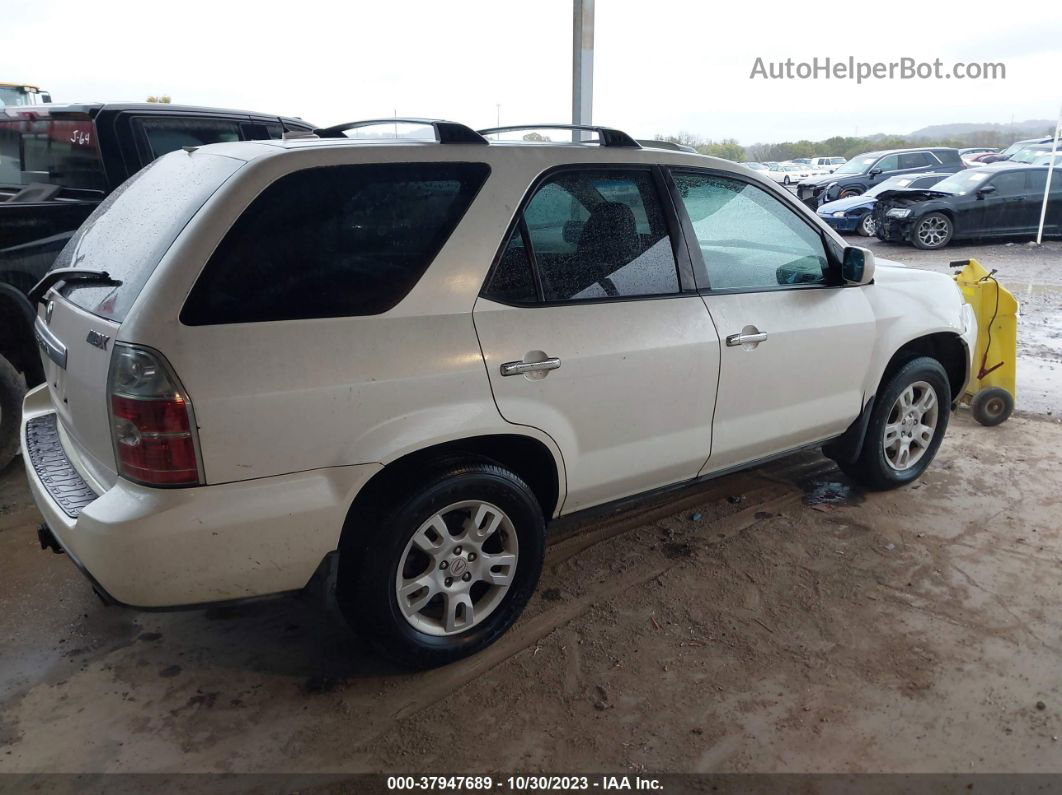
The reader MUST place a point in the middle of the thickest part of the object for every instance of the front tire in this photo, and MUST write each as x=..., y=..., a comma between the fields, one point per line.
x=932, y=232
x=866, y=226
x=906, y=427
x=442, y=573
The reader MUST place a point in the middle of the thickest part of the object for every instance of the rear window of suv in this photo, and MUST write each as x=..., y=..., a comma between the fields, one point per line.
x=131, y=230
x=333, y=241
x=53, y=152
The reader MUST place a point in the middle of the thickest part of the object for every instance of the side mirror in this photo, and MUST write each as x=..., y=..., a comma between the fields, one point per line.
x=874, y=172
x=982, y=192
x=858, y=265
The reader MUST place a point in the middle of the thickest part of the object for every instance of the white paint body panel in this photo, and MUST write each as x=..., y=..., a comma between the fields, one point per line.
x=630, y=407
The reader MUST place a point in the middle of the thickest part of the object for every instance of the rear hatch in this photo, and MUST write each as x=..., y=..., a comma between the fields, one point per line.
x=126, y=237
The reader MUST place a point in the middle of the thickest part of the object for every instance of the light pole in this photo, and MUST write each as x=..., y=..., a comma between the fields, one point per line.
x=1050, y=173
x=582, y=64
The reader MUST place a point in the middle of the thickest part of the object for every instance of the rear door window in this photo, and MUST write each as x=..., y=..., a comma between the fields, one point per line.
x=912, y=160
x=54, y=152
x=333, y=241
x=598, y=235
x=164, y=134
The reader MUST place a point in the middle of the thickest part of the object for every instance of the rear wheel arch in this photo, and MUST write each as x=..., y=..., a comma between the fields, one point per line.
x=525, y=456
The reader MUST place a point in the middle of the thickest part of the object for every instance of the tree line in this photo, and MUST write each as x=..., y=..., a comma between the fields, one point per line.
x=845, y=146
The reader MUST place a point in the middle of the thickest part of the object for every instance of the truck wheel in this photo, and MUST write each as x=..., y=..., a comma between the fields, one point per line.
x=932, y=232
x=992, y=406
x=906, y=426
x=442, y=573
x=12, y=390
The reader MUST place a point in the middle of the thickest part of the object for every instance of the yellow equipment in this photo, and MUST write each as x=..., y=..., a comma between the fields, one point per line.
x=992, y=390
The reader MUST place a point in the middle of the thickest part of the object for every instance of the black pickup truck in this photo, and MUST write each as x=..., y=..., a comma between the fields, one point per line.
x=57, y=163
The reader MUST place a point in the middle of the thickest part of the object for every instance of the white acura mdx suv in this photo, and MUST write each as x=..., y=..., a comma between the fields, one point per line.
x=393, y=361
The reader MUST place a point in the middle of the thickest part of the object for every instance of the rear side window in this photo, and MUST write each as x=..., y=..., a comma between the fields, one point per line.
x=53, y=152
x=165, y=134
x=333, y=242
x=913, y=160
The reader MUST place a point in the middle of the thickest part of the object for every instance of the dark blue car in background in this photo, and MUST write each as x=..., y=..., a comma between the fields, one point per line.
x=856, y=213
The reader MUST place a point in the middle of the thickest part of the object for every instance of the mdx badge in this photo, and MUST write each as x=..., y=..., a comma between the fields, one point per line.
x=97, y=339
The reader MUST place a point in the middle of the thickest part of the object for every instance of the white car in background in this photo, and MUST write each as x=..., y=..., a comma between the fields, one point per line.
x=787, y=173
x=385, y=366
x=827, y=165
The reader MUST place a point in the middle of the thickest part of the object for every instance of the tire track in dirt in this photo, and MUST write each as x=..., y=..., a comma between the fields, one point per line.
x=434, y=686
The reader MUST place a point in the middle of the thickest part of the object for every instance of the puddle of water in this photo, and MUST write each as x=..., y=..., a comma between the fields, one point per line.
x=831, y=492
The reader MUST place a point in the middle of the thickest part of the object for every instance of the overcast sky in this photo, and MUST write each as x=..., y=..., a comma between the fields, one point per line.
x=660, y=67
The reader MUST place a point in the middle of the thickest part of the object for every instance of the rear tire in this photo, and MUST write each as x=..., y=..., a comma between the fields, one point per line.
x=12, y=390
x=906, y=427
x=438, y=574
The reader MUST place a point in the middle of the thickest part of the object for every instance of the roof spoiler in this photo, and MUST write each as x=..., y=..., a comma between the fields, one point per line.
x=446, y=132
x=607, y=135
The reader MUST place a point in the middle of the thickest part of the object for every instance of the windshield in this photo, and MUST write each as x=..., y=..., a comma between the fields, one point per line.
x=962, y=182
x=18, y=95
x=1029, y=155
x=892, y=183
x=857, y=165
x=49, y=151
x=1014, y=147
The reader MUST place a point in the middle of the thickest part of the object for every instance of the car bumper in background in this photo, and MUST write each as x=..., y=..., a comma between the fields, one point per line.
x=846, y=224
x=152, y=548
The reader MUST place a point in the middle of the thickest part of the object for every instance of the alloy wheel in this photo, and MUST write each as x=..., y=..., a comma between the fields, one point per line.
x=911, y=426
x=868, y=225
x=932, y=232
x=457, y=568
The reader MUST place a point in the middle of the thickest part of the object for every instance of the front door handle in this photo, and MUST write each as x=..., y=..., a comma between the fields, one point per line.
x=735, y=340
x=521, y=368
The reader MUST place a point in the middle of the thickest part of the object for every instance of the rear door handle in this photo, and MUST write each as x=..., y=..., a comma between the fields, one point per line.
x=735, y=340
x=520, y=368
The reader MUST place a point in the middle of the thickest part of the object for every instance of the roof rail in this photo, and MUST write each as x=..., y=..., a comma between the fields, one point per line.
x=608, y=136
x=446, y=132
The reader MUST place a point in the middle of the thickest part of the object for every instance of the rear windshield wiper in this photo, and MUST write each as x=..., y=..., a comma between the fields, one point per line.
x=84, y=275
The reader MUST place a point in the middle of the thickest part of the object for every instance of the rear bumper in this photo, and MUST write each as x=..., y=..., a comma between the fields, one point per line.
x=154, y=548
x=846, y=224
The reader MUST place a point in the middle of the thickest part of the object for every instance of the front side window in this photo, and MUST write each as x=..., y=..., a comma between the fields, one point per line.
x=597, y=235
x=1009, y=184
x=749, y=240
x=333, y=241
x=165, y=134
x=888, y=163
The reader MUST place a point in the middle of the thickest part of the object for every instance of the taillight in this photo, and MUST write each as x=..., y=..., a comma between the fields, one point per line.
x=151, y=420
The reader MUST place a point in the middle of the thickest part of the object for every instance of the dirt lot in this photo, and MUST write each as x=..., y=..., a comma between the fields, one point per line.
x=773, y=621
x=776, y=620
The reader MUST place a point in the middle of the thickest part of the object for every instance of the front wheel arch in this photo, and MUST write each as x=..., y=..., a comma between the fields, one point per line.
x=945, y=347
